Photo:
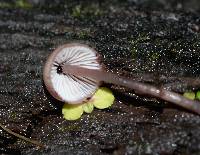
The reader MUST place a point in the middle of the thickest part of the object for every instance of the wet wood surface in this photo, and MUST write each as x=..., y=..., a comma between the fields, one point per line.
x=157, y=47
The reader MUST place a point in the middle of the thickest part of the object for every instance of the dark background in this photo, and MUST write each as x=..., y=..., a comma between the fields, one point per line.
x=152, y=41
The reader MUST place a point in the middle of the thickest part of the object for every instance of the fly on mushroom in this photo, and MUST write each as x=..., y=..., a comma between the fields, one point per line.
x=73, y=73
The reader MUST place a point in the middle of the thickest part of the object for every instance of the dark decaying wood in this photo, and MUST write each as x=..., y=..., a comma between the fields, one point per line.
x=156, y=46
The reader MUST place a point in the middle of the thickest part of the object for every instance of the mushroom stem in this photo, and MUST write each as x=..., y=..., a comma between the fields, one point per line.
x=141, y=88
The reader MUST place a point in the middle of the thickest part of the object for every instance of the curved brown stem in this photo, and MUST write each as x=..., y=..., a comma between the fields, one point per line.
x=142, y=88
x=22, y=137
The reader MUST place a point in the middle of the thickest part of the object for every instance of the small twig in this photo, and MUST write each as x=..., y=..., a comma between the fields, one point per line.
x=22, y=137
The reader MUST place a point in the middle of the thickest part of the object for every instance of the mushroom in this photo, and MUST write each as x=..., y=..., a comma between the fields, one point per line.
x=68, y=87
x=73, y=73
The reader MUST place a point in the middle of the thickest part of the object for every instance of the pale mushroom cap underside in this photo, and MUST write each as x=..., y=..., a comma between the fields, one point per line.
x=69, y=88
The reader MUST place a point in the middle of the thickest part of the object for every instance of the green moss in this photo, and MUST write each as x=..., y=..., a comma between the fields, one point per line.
x=80, y=11
x=141, y=38
x=79, y=32
x=133, y=52
x=76, y=11
x=13, y=115
x=134, y=43
x=154, y=56
x=82, y=33
x=6, y=5
x=18, y=4
x=73, y=127
x=22, y=4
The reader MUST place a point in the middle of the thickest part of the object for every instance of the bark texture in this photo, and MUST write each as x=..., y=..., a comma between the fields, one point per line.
x=157, y=43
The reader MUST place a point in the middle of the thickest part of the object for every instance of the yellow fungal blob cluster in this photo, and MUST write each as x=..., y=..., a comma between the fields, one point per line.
x=103, y=98
x=192, y=95
x=189, y=95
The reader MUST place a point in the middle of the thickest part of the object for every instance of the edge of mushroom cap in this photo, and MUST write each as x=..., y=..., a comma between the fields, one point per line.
x=49, y=63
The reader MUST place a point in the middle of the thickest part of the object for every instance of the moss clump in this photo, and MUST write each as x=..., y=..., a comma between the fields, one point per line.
x=82, y=34
x=13, y=115
x=71, y=127
x=89, y=11
x=76, y=11
x=18, y=4
x=22, y=4
x=154, y=56
x=5, y=5
x=134, y=44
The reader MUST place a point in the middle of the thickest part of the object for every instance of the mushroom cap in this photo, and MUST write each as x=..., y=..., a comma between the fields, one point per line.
x=66, y=87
